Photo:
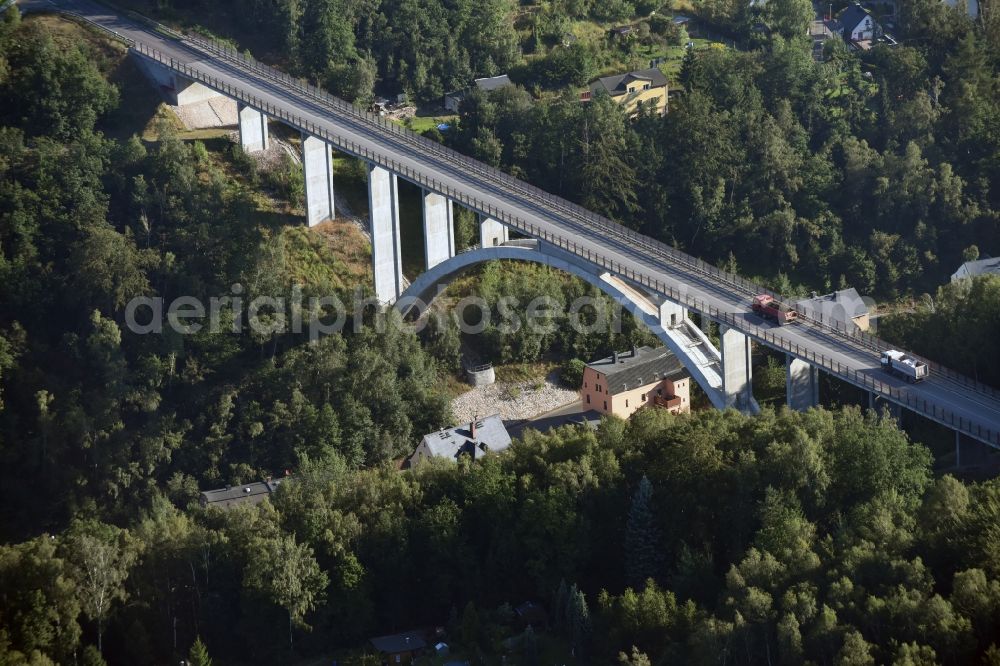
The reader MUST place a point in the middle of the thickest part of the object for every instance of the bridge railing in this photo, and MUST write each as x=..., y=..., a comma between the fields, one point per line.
x=748, y=287
x=558, y=204
x=844, y=329
x=734, y=320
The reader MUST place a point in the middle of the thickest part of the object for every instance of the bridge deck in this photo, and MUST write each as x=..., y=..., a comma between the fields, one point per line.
x=944, y=397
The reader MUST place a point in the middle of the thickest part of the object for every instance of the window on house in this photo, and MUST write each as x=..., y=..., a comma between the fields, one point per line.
x=588, y=398
x=659, y=391
x=605, y=404
x=626, y=403
x=644, y=397
x=645, y=86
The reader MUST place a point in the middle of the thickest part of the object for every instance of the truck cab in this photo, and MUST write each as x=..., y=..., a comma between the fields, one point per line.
x=767, y=307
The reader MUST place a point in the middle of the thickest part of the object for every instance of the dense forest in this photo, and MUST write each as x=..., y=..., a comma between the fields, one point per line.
x=876, y=170
x=97, y=418
x=713, y=538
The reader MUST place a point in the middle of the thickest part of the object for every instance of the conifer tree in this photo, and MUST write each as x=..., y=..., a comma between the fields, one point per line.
x=642, y=537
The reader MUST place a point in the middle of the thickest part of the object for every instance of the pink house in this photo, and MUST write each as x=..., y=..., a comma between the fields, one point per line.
x=625, y=382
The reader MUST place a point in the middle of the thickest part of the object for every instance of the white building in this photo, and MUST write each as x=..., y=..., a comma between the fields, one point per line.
x=845, y=306
x=858, y=24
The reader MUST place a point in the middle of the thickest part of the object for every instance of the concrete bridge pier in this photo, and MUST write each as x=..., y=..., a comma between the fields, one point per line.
x=672, y=314
x=439, y=229
x=492, y=232
x=383, y=204
x=737, y=376
x=801, y=384
x=317, y=159
x=253, y=129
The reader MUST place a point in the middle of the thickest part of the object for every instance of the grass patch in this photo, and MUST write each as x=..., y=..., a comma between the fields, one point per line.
x=423, y=123
x=524, y=372
x=350, y=247
x=333, y=256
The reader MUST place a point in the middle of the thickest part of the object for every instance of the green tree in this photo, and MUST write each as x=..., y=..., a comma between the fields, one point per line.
x=286, y=573
x=790, y=18
x=39, y=597
x=198, y=655
x=102, y=557
x=642, y=537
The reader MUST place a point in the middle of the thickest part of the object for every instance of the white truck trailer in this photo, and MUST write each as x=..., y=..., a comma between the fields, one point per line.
x=899, y=363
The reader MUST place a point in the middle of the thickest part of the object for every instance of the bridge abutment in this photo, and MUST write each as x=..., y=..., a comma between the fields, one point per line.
x=492, y=232
x=383, y=204
x=178, y=90
x=737, y=377
x=253, y=129
x=439, y=229
x=801, y=384
x=317, y=160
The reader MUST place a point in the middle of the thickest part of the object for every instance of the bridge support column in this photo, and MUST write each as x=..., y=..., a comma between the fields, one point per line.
x=253, y=129
x=383, y=202
x=672, y=314
x=439, y=229
x=492, y=232
x=801, y=384
x=737, y=378
x=317, y=159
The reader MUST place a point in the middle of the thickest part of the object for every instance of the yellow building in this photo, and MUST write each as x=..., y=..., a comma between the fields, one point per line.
x=644, y=85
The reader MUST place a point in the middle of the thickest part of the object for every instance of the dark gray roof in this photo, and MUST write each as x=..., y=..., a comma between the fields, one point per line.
x=852, y=16
x=618, y=83
x=978, y=267
x=491, y=435
x=396, y=643
x=639, y=367
x=248, y=493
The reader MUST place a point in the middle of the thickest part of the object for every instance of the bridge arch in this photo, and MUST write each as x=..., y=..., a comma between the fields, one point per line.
x=666, y=320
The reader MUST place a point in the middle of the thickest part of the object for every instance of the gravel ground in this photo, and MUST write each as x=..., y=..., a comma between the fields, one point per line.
x=215, y=112
x=513, y=401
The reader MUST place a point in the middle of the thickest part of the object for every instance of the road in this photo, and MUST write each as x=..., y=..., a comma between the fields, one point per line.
x=950, y=400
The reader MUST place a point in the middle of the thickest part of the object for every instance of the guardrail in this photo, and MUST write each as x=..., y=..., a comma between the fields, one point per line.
x=901, y=396
x=844, y=330
x=639, y=241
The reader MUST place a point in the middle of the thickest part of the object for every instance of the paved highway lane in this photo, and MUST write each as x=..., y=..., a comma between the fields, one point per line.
x=520, y=203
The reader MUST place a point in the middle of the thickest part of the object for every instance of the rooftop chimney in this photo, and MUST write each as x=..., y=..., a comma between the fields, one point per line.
x=614, y=356
x=472, y=426
x=635, y=350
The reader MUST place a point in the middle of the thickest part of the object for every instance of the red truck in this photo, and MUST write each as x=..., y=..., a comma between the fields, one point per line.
x=776, y=311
